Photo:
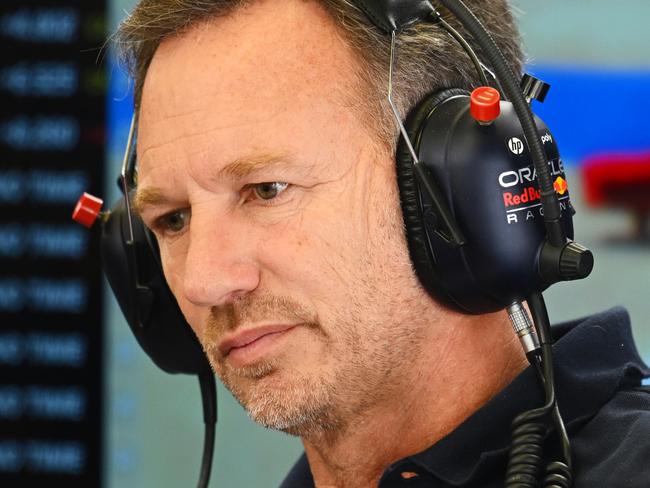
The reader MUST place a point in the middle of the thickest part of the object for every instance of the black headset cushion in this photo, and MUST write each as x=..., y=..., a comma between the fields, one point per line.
x=416, y=237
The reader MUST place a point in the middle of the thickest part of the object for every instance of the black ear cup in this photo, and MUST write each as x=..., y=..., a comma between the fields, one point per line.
x=489, y=185
x=135, y=275
x=410, y=197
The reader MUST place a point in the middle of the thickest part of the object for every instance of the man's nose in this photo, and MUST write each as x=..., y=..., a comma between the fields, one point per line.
x=220, y=265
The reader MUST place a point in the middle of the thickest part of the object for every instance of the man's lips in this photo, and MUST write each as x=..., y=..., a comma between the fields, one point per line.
x=245, y=337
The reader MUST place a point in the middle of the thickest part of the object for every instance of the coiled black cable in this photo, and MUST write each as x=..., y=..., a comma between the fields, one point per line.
x=558, y=475
x=546, y=374
x=526, y=453
x=527, y=438
x=529, y=428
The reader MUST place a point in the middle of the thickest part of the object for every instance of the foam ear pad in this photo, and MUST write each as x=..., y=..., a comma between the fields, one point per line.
x=149, y=305
x=423, y=261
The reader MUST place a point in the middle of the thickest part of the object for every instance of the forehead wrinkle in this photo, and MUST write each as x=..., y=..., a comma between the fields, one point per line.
x=305, y=59
x=194, y=128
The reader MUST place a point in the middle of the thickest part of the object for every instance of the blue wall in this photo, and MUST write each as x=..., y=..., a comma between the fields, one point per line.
x=593, y=109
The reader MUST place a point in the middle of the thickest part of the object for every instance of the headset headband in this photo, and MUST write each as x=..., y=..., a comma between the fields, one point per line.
x=392, y=15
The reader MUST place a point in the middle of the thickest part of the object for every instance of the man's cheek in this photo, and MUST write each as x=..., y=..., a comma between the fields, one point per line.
x=172, y=257
x=334, y=260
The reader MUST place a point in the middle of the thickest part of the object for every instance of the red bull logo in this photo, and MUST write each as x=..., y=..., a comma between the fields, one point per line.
x=529, y=194
x=560, y=185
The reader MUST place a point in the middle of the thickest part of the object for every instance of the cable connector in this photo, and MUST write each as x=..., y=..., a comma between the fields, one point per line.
x=523, y=326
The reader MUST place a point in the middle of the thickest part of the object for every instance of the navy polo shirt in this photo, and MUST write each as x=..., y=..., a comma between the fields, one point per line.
x=598, y=375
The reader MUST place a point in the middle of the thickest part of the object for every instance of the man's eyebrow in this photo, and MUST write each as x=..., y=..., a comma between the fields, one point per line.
x=148, y=197
x=237, y=169
x=248, y=165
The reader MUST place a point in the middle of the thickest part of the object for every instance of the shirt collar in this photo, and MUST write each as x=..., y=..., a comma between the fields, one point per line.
x=592, y=358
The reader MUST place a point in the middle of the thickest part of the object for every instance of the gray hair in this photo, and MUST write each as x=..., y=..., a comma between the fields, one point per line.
x=429, y=58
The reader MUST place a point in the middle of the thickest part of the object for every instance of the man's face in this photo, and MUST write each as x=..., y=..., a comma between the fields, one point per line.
x=277, y=216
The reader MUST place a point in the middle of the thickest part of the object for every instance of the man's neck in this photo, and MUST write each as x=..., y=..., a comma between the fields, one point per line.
x=465, y=366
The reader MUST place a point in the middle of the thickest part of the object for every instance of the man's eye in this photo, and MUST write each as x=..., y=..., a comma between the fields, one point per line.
x=173, y=222
x=270, y=190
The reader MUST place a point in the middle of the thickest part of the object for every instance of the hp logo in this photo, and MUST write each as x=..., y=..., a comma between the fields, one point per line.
x=515, y=145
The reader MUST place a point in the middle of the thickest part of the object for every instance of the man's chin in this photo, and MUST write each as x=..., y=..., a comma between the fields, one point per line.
x=305, y=420
x=296, y=406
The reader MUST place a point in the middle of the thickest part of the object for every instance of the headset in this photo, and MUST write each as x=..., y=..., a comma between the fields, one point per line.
x=487, y=215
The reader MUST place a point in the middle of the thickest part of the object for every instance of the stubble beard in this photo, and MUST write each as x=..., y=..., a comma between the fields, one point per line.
x=362, y=372
x=273, y=395
x=284, y=400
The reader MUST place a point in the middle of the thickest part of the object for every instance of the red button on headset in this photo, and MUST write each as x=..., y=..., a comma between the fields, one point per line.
x=87, y=209
x=484, y=104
